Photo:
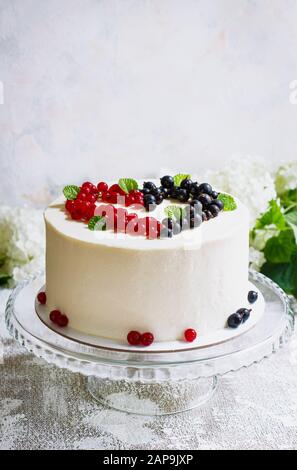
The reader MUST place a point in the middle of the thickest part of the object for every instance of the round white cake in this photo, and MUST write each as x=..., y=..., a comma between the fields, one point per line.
x=111, y=283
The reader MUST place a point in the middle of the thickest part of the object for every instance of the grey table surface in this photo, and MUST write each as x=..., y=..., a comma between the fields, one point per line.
x=43, y=407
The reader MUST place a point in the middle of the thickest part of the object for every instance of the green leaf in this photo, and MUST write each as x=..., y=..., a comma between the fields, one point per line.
x=4, y=278
x=179, y=178
x=97, y=222
x=71, y=192
x=175, y=212
x=291, y=219
x=228, y=201
x=281, y=248
x=285, y=275
x=289, y=198
x=2, y=260
x=127, y=184
x=273, y=216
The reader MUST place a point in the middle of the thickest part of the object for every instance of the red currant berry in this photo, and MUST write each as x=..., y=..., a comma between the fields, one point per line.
x=102, y=187
x=41, y=297
x=112, y=198
x=94, y=190
x=54, y=315
x=92, y=198
x=70, y=206
x=115, y=188
x=76, y=214
x=82, y=196
x=87, y=184
x=136, y=193
x=90, y=210
x=133, y=338
x=62, y=321
x=129, y=200
x=146, y=339
x=190, y=335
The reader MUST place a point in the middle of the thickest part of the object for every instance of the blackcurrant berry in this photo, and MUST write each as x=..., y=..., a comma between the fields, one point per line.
x=183, y=195
x=186, y=184
x=149, y=198
x=174, y=192
x=156, y=192
x=252, y=296
x=218, y=203
x=234, y=320
x=205, y=199
x=244, y=313
x=205, y=188
x=145, y=191
x=204, y=217
x=159, y=199
x=164, y=192
x=167, y=181
x=149, y=185
x=213, y=208
x=195, y=189
x=214, y=195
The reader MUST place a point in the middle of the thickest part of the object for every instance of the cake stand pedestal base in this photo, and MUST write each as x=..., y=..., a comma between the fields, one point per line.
x=152, y=399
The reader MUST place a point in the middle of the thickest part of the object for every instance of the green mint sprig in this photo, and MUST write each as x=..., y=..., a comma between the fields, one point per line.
x=127, y=184
x=71, y=192
x=228, y=201
x=180, y=177
x=98, y=222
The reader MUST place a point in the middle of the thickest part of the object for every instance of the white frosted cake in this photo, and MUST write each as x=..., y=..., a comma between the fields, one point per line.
x=188, y=275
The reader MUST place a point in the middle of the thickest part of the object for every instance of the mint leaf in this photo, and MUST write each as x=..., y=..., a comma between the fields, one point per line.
x=228, y=201
x=127, y=184
x=281, y=248
x=273, y=216
x=175, y=212
x=97, y=222
x=71, y=192
x=285, y=275
x=291, y=219
x=179, y=178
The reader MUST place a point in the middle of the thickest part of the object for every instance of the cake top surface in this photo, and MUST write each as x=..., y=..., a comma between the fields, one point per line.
x=221, y=226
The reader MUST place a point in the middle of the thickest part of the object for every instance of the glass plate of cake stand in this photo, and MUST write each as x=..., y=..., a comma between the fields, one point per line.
x=152, y=382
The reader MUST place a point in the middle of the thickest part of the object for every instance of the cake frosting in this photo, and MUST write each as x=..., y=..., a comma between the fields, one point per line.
x=111, y=283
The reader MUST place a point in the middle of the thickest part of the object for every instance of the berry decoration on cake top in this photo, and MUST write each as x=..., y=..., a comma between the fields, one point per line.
x=202, y=204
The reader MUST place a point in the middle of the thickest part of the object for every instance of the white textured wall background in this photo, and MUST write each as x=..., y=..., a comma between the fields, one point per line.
x=123, y=87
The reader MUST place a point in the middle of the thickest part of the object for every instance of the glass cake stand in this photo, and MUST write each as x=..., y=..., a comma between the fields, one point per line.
x=153, y=383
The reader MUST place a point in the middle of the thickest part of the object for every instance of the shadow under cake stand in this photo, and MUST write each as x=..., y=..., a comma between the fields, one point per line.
x=145, y=381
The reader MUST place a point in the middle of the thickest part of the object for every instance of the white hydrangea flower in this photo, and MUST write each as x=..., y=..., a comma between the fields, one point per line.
x=22, y=242
x=286, y=177
x=248, y=179
x=257, y=259
x=261, y=236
